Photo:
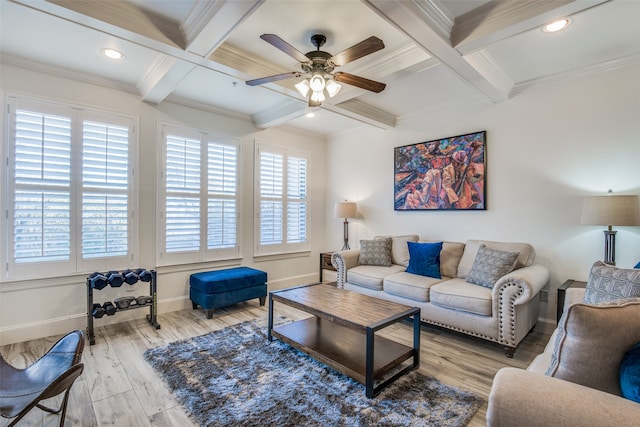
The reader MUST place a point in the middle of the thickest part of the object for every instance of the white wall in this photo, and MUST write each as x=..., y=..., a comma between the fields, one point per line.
x=547, y=148
x=32, y=309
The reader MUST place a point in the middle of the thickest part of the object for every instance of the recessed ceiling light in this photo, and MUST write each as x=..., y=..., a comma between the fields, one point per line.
x=112, y=53
x=558, y=25
x=310, y=115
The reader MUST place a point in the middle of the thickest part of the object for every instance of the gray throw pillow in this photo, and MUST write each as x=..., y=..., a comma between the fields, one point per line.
x=609, y=283
x=375, y=252
x=490, y=265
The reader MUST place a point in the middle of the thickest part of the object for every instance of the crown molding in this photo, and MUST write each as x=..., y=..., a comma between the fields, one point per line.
x=66, y=73
x=614, y=64
x=498, y=20
x=439, y=17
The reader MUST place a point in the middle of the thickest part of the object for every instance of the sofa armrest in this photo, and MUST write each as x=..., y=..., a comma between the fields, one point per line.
x=519, y=396
x=528, y=282
x=342, y=261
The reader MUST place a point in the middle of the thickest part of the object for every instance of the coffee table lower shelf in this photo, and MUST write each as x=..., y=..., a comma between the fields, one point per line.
x=345, y=350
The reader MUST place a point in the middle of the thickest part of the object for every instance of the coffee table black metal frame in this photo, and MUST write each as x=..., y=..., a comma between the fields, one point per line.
x=315, y=336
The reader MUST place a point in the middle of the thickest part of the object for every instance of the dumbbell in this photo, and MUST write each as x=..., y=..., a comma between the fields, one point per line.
x=97, y=280
x=144, y=300
x=115, y=279
x=123, y=302
x=144, y=275
x=109, y=308
x=130, y=277
x=97, y=311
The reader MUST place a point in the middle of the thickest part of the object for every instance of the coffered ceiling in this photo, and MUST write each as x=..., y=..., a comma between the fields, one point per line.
x=439, y=54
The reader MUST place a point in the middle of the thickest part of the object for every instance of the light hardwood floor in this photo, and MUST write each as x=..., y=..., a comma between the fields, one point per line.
x=119, y=388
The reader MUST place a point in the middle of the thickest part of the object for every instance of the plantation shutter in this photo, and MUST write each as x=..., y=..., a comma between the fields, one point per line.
x=271, y=204
x=297, y=200
x=282, y=198
x=182, y=210
x=222, y=175
x=42, y=192
x=105, y=202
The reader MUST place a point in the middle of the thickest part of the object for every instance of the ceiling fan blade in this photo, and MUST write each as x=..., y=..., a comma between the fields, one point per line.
x=364, y=48
x=360, y=82
x=263, y=80
x=285, y=47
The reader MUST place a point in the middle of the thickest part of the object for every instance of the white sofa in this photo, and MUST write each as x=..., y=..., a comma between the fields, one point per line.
x=504, y=314
x=581, y=387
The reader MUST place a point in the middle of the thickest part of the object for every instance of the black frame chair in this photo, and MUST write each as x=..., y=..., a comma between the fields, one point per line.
x=55, y=372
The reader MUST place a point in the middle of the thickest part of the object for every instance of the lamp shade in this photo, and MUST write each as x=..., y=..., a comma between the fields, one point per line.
x=611, y=210
x=346, y=210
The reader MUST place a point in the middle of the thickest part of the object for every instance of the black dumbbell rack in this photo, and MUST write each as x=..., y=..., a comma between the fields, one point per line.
x=152, y=317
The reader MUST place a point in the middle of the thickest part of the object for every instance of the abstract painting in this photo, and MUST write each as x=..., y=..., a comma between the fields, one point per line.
x=443, y=174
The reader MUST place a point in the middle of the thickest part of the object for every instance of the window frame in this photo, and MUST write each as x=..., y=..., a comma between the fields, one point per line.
x=203, y=254
x=284, y=247
x=76, y=264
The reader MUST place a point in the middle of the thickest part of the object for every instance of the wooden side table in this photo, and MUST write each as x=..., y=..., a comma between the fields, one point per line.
x=325, y=263
x=562, y=291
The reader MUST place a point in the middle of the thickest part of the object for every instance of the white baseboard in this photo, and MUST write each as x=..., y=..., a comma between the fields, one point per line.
x=546, y=326
x=62, y=325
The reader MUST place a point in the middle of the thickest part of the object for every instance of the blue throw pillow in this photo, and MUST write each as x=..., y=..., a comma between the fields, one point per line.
x=637, y=265
x=630, y=374
x=424, y=259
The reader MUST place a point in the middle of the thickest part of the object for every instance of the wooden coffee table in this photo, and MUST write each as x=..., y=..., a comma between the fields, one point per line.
x=342, y=333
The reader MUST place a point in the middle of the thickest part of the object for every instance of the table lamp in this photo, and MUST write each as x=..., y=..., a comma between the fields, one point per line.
x=611, y=210
x=346, y=210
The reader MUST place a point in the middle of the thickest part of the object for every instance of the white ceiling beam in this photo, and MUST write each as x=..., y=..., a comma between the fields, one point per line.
x=128, y=22
x=414, y=19
x=499, y=20
x=162, y=77
x=210, y=23
x=290, y=110
x=363, y=112
x=206, y=27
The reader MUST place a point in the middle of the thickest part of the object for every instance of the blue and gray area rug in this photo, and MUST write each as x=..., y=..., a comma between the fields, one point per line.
x=235, y=377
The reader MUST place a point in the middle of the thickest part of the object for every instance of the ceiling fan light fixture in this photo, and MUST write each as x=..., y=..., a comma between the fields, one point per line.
x=333, y=88
x=317, y=83
x=303, y=87
x=317, y=97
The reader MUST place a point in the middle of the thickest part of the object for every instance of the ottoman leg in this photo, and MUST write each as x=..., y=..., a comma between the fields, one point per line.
x=262, y=300
x=209, y=313
x=194, y=305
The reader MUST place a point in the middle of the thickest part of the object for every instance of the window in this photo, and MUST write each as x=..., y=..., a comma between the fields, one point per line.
x=69, y=184
x=281, y=197
x=199, y=211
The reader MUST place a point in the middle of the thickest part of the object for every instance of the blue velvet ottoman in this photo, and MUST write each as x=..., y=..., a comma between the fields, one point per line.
x=221, y=288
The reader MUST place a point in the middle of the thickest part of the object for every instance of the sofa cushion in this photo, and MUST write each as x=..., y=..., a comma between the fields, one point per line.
x=424, y=259
x=490, y=265
x=371, y=276
x=630, y=374
x=525, y=258
x=591, y=342
x=375, y=252
x=460, y=295
x=409, y=285
x=399, y=249
x=608, y=283
x=449, y=257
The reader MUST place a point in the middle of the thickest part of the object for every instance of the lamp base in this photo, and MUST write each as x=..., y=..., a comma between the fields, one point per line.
x=346, y=235
x=610, y=247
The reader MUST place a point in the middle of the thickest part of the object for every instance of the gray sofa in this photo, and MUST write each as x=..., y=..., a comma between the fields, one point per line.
x=575, y=382
x=504, y=314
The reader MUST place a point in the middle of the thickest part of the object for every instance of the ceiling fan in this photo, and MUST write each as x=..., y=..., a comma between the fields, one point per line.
x=318, y=68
